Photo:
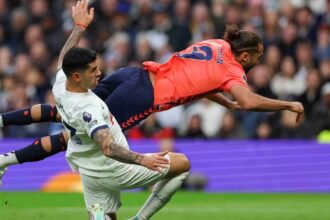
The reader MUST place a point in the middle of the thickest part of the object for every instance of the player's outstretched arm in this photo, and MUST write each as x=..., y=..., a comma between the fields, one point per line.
x=250, y=101
x=82, y=18
x=110, y=149
x=223, y=100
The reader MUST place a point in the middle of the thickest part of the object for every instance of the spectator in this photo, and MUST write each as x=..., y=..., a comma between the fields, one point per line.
x=202, y=27
x=289, y=128
x=271, y=28
x=6, y=57
x=312, y=94
x=260, y=77
x=325, y=70
x=180, y=34
x=209, y=112
x=287, y=83
x=306, y=24
x=18, y=22
x=264, y=130
x=304, y=56
x=295, y=34
x=320, y=116
x=322, y=49
x=195, y=128
x=273, y=59
x=288, y=40
x=230, y=128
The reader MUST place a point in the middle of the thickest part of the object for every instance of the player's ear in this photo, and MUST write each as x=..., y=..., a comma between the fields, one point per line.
x=76, y=77
x=245, y=56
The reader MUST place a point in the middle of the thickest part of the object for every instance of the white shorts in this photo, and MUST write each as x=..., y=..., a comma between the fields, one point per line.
x=106, y=191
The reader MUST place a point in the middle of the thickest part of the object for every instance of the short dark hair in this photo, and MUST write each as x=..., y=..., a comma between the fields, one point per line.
x=241, y=41
x=77, y=59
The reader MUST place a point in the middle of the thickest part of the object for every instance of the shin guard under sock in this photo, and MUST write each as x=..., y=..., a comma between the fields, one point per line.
x=24, y=117
x=36, y=152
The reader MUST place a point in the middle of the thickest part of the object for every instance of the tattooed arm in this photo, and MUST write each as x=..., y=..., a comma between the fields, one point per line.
x=81, y=19
x=110, y=149
x=70, y=43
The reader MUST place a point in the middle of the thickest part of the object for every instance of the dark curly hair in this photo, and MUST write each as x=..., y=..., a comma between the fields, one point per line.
x=241, y=41
x=77, y=59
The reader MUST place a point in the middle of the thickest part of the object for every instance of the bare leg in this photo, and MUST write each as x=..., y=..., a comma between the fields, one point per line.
x=179, y=164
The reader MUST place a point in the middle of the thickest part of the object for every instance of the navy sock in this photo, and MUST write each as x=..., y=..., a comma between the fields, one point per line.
x=23, y=116
x=35, y=151
x=18, y=117
x=48, y=113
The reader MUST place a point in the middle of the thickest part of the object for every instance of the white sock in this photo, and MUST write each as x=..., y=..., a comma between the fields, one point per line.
x=161, y=194
x=8, y=159
x=1, y=122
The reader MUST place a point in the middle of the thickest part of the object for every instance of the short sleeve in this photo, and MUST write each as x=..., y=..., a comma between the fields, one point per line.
x=234, y=76
x=91, y=119
x=59, y=84
x=60, y=77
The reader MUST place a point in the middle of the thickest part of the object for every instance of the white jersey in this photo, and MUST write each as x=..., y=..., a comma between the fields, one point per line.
x=82, y=115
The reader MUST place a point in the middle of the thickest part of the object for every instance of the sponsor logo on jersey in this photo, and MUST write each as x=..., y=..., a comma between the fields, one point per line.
x=219, y=55
x=92, y=124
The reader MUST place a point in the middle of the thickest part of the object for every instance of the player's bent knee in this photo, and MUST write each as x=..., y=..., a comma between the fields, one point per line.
x=179, y=163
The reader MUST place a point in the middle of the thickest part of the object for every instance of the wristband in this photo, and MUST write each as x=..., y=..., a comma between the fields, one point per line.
x=81, y=25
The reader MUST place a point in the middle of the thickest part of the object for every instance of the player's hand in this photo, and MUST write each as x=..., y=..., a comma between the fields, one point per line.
x=80, y=14
x=157, y=161
x=234, y=106
x=299, y=109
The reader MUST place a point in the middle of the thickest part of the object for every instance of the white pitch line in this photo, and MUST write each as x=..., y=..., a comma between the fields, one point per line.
x=78, y=209
x=201, y=210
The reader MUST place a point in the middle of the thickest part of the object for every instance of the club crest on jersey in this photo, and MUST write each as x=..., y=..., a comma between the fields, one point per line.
x=87, y=117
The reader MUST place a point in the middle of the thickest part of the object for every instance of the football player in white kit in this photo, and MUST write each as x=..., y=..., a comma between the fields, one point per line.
x=97, y=148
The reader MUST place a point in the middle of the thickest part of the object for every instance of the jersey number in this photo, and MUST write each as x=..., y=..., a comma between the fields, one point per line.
x=198, y=53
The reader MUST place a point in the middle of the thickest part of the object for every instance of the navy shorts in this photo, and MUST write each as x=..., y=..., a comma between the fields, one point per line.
x=129, y=95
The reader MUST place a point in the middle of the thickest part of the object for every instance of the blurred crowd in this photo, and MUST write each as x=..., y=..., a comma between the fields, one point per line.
x=295, y=65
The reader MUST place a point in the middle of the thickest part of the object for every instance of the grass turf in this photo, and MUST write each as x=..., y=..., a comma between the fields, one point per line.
x=184, y=205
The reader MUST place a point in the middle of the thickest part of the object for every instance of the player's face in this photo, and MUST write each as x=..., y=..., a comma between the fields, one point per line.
x=91, y=76
x=253, y=59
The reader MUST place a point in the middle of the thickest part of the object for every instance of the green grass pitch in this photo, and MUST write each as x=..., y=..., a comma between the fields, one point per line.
x=184, y=206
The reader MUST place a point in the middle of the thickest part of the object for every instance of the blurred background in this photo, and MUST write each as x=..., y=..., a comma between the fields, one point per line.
x=229, y=151
x=295, y=65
